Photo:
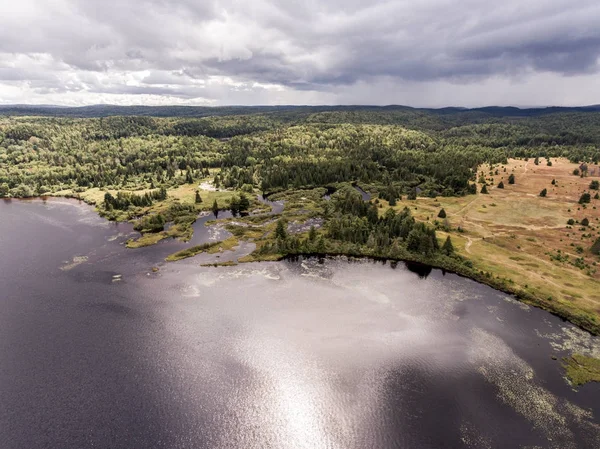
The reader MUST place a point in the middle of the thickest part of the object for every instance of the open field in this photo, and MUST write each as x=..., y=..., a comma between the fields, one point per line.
x=515, y=234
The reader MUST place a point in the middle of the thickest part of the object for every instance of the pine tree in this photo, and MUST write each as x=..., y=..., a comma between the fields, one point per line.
x=484, y=189
x=215, y=208
x=595, y=249
x=543, y=193
x=280, y=230
x=511, y=179
x=501, y=185
x=585, y=222
x=448, y=247
x=312, y=234
x=442, y=213
x=198, y=197
x=244, y=203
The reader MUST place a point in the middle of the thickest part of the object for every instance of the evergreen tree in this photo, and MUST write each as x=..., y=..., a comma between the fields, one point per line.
x=215, y=208
x=312, y=234
x=585, y=222
x=500, y=185
x=595, y=249
x=442, y=213
x=198, y=197
x=234, y=205
x=511, y=179
x=447, y=247
x=543, y=193
x=244, y=203
x=594, y=185
x=484, y=189
x=280, y=230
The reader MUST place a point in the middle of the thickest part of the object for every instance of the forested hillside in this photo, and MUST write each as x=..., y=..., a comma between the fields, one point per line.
x=395, y=149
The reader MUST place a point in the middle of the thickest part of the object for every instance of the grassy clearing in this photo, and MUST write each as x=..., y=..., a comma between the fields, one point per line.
x=523, y=239
x=581, y=369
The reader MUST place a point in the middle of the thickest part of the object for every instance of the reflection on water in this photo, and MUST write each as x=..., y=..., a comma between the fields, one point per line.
x=296, y=354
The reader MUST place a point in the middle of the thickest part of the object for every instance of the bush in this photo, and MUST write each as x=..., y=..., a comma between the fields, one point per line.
x=585, y=222
x=585, y=198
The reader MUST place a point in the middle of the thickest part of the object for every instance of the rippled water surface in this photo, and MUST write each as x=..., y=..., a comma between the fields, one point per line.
x=96, y=350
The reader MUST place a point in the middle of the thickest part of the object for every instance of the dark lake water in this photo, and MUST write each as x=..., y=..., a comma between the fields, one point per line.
x=97, y=351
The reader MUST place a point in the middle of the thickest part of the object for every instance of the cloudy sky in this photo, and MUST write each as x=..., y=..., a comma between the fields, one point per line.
x=218, y=52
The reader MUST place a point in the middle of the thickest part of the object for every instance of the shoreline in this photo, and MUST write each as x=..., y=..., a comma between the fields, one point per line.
x=448, y=264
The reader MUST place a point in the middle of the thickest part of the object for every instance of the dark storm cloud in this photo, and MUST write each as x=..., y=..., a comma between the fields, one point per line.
x=175, y=48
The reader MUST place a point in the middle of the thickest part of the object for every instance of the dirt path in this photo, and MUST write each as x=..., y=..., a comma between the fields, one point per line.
x=468, y=245
x=464, y=207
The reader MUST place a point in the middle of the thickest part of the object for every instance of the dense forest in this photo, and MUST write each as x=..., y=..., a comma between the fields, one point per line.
x=393, y=149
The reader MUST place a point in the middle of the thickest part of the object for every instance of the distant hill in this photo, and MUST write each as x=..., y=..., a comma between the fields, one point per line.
x=206, y=111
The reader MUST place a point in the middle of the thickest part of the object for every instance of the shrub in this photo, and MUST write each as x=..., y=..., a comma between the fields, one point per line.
x=585, y=198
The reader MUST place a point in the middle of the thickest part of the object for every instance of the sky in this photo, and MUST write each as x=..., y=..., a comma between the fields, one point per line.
x=423, y=53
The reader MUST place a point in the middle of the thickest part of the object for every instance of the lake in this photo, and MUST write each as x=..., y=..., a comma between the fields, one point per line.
x=97, y=350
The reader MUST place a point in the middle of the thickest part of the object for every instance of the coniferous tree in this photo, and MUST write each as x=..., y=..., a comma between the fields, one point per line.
x=511, y=179
x=244, y=203
x=280, y=230
x=447, y=247
x=595, y=249
x=312, y=234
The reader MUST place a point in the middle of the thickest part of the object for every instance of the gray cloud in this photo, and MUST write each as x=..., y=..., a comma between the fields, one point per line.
x=224, y=51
